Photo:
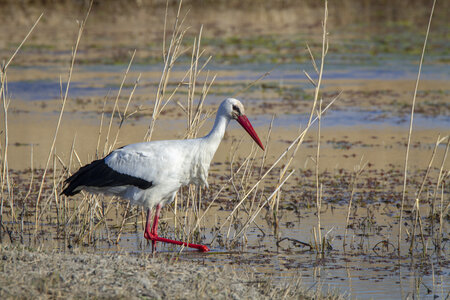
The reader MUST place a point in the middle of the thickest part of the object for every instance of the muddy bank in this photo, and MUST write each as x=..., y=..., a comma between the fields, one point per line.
x=30, y=275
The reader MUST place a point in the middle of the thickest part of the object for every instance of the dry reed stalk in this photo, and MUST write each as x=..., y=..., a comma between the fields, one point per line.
x=65, y=207
x=233, y=175
x=193, y=78
x=85, y=217
x=433, y=154
x=194, y=112
x=436, y=189
x=64, y=100
x=261, y=167
x=357, y=172
x=418, y=219
x=418, y=194
x=77, y=210
x=5, y=103
x=250, y=211
x=216, y=196
x=441, y=215
x=100, y=126
x=107, y=148
x=30, y=188
x=252, y=167
x=274, y=193
x=245, y=178
x=103, y=218
x=5, y=169
x=318, y=184
x=317, y=86
x=125, y=212
x=124, y=116
x=5, y=67
x=198, y=121
x=169, y=57
x=410, y=129
x=54, y=191
x=71, y=155
x=254, y=82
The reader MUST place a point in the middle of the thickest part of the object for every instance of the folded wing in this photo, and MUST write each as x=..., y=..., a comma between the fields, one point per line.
x=99, y=174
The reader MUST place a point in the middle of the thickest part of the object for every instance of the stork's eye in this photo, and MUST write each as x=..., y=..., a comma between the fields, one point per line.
x=236, y=109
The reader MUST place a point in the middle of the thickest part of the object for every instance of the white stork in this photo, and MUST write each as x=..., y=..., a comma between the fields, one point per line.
x=150, y=173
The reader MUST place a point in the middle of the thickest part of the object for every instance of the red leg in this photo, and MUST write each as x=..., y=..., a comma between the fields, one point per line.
x=156, y=220
x=147, y=231
x=155, y=226
x=152, y=234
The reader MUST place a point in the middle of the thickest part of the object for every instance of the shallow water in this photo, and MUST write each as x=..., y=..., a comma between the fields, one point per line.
x=38, y=90
x=362, y=118
x=364, y=270
x=101, y=79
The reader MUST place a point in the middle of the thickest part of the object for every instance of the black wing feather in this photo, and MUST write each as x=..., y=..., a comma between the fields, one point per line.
x=99, y=174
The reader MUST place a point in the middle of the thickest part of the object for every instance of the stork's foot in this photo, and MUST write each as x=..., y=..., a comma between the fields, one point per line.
x=203, y=248
x=152, y=237
x=155, y=238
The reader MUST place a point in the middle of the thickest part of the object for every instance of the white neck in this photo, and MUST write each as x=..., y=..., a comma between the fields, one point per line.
x=214, y=137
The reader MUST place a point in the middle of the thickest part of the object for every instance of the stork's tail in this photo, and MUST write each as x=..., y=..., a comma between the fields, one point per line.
x=81, y=178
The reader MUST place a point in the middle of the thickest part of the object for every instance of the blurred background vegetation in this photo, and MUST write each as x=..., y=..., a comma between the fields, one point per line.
x=250, y=31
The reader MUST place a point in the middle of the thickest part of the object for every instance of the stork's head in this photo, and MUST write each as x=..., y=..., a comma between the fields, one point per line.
x=233, y=109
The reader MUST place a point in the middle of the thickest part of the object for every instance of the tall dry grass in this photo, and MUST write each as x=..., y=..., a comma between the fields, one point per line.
x=410, y=130
x=5, y=100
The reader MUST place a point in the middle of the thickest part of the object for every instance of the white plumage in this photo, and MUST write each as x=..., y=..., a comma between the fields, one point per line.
x=150, y=173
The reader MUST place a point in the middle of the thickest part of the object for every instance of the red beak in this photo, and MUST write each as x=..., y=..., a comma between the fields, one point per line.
x=243, y=120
